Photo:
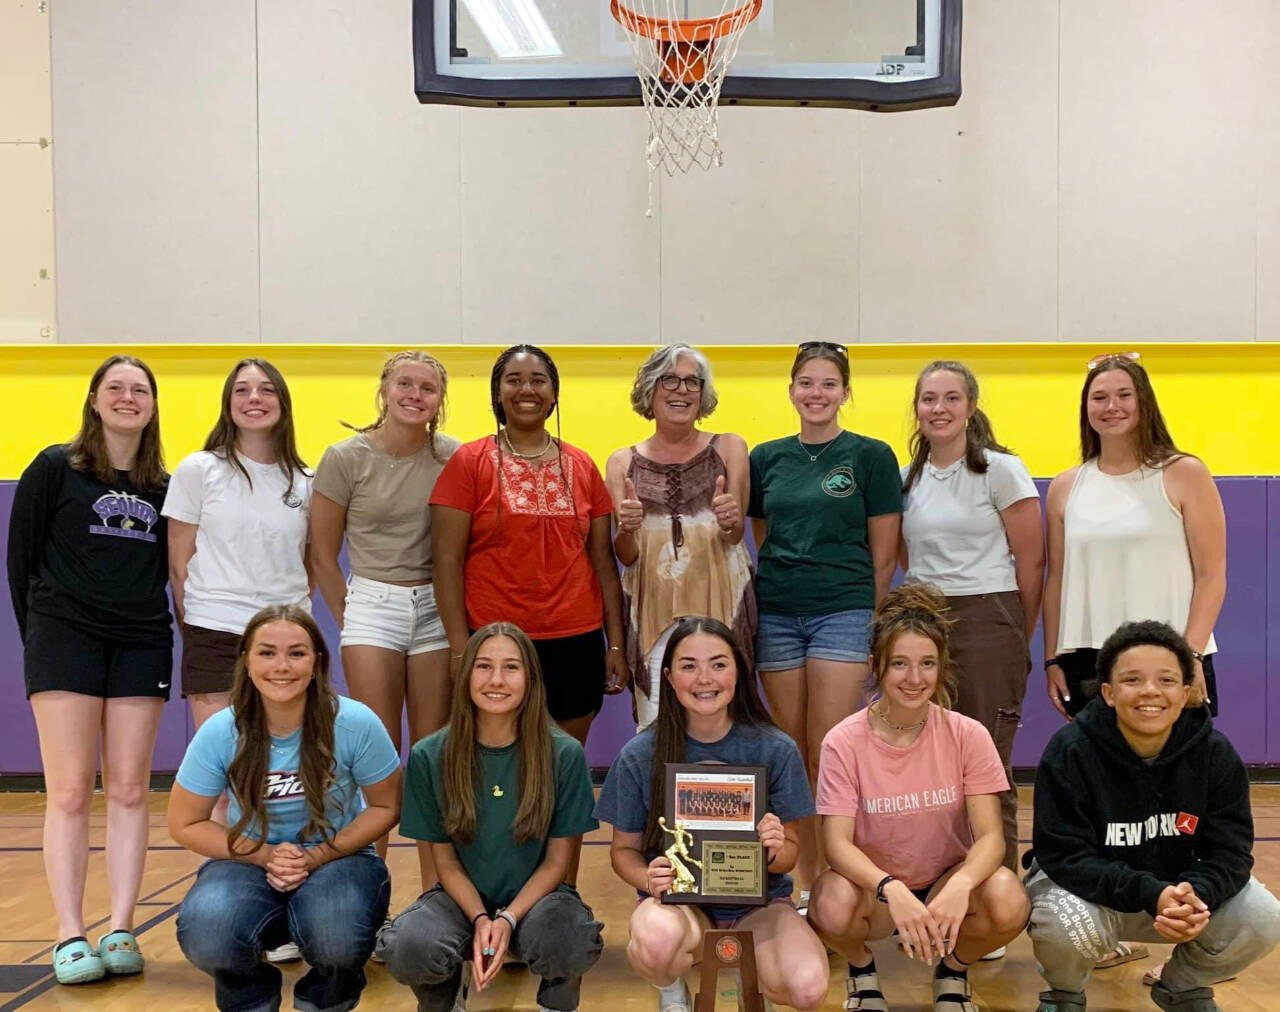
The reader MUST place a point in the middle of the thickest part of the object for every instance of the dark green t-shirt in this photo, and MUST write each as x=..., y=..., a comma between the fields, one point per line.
x=497, y=865
x=816, y=559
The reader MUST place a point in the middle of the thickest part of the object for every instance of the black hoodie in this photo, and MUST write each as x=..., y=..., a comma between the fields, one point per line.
x=1116, y=831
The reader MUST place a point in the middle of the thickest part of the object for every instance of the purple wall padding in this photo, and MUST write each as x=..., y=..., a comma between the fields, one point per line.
x=1248, y=662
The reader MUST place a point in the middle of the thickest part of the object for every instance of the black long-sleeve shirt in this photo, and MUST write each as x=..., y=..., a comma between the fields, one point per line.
x=90, y=554
x=1116, y=830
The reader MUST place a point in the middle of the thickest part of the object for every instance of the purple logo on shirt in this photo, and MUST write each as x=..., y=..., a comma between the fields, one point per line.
x=135, y=517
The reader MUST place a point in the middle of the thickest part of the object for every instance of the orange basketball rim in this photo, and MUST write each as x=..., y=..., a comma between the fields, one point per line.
x=686, y=45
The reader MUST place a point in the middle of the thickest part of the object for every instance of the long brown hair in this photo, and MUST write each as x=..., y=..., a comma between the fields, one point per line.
x=533, y=742
x=247, y=774
x=284, y=446
x=380, y=398
x=746, y=707
x=88, y=450
x=913, y=608
x=979, y=436
x=1155, y=445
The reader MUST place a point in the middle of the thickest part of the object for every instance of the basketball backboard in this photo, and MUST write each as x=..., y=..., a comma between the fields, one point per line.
x=860, y=53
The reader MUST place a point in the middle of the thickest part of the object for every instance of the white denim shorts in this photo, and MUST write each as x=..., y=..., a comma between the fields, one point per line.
x=394, y=618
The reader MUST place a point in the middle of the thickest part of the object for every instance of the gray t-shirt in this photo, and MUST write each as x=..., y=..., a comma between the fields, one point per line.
x=388, y=519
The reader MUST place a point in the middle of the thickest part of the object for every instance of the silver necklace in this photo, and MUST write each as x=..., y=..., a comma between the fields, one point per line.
x=878, y=710
x=814, y=456
x=525, y=456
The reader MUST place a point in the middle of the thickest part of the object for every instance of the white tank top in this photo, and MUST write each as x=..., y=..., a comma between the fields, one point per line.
x=1125, y=557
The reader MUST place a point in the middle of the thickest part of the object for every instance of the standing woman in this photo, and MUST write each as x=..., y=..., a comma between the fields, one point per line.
x=87, y=572
x=237, y=531
x=1136, y=531
x=826, y=505
x=520, y=526
x=711, y=712
x=971, y=526
x=679, y=497
x=500, y=794
x=373, y=489
x=313, y=780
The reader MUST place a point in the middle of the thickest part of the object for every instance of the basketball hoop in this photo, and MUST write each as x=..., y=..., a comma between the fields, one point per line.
x=681, y=63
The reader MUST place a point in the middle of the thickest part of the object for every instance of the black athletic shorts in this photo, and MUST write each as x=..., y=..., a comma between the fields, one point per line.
x=58, y=656
x=1081, y=669
x=573, y=672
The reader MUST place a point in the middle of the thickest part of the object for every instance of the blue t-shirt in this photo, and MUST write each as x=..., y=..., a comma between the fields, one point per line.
x=624, y=799
x=363, y=755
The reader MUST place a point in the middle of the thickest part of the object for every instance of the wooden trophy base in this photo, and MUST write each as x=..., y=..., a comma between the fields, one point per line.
x=729, y=950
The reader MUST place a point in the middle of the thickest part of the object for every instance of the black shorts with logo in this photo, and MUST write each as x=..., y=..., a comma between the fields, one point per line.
x=59, y=656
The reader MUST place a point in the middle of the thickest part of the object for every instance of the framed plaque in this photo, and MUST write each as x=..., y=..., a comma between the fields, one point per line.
x=709, y=814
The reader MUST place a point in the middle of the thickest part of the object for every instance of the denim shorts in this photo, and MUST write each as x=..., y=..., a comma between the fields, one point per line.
x=784, y=641
x=392, y=617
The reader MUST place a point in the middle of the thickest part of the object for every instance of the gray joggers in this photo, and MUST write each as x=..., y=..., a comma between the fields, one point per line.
x=426, y=946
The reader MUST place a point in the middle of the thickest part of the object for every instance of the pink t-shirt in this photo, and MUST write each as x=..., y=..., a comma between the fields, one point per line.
x=908, y=803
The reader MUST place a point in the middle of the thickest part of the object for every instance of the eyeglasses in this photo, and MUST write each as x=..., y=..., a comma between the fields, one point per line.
x=1097, y=360
x=670, y=381
x=839, y=349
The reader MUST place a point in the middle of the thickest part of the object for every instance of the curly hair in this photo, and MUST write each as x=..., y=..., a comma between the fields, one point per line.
x=663, y=361
x=1145, y=634
x=913, y=608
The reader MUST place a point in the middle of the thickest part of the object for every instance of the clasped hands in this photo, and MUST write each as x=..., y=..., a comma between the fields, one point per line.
x=928, y=931
x=287, y=865
x=488, y=949
x=1180, y=914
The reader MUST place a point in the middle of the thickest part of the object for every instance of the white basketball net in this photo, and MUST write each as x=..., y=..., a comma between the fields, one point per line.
x=681, y=80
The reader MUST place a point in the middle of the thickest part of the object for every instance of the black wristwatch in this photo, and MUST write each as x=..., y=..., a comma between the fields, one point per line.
x=880, y=887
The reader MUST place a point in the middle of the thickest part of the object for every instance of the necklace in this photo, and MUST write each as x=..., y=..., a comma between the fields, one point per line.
x=814, y=456
x=878, y=710
x=525, y=456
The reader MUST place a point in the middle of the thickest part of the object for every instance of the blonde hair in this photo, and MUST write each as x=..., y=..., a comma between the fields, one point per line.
x=380, y=399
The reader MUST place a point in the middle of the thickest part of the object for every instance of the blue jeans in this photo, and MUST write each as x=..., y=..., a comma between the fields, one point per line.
x=231, y=915
x=783, y=642
x=426, y=946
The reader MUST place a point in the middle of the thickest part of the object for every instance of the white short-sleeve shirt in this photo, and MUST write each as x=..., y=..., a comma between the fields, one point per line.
x=250, y=541
x=952, y=526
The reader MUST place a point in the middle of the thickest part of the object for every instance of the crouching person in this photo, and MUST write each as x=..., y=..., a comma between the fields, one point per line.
x=502, y=795
x=1143, y=832
x=298, y=858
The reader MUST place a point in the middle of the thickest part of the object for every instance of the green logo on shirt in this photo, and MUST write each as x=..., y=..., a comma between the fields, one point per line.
x=839, y=482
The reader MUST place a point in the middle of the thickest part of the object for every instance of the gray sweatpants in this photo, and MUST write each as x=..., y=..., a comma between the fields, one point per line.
x=426, y=946
x=1070, y=935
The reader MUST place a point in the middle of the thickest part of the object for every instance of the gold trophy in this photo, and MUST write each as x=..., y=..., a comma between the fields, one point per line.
x=677, y=854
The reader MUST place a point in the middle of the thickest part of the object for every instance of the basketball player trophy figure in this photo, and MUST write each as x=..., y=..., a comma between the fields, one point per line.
x=677, y=854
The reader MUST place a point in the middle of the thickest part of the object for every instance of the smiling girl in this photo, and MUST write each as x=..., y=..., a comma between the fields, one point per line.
x=313, y=780
x=520, y=525
x=500, y=795
x=710, y=712
x=971, y=527
x=909, y=797
x=373, y=490
x=237, y=531
x=87, y=574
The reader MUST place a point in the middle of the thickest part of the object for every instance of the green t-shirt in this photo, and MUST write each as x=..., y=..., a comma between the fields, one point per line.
x=816, y=559
x=497, y=865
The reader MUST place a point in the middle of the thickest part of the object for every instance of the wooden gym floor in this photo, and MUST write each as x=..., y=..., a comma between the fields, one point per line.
x=171, y=984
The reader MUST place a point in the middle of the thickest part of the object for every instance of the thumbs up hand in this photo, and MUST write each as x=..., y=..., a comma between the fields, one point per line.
x=630, y=510
x=728, y=512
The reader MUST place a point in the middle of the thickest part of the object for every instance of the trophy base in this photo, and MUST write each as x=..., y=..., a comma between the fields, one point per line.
x=729, y=950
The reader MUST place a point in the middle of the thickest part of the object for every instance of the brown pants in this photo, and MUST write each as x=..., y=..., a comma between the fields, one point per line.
x=991, y=660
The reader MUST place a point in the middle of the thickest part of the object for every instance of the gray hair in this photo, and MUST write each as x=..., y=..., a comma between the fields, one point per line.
x=664, y=361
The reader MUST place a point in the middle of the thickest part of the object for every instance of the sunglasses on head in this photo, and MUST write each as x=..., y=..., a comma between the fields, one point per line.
x=1097, y=360
x=839, y=349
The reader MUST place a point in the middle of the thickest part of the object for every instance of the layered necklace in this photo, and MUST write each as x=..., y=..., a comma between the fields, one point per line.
x=878, y=710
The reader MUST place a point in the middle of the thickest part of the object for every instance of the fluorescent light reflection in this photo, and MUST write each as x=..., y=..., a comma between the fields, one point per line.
x=514, y=29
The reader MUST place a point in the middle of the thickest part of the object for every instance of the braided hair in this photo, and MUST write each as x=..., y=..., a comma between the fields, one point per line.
x=380, y=399
x=500, y=414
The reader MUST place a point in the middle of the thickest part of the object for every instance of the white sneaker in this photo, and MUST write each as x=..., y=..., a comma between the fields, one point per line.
x=993, y=954
x=287, y=953
x=682, y=1003
x=802, y=908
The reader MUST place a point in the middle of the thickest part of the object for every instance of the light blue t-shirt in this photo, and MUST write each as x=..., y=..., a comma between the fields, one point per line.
x=363, y=755
x=625, y=798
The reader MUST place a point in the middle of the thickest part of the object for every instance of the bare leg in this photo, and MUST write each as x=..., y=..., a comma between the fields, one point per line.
x=835, y=690
x=68, y=726
x=376, y=677
x=203, y=706
x=998, y=912
x=791, y=962
x=788, y=696
x=428, y=698
x=128, y=741
x=665, y=940
x=846, y=916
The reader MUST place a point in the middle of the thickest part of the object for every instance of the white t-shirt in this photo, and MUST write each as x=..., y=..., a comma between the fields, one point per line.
x=953, y=529
x=250, y=542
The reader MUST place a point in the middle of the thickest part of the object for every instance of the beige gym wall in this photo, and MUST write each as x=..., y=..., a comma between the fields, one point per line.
x=263, y=172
